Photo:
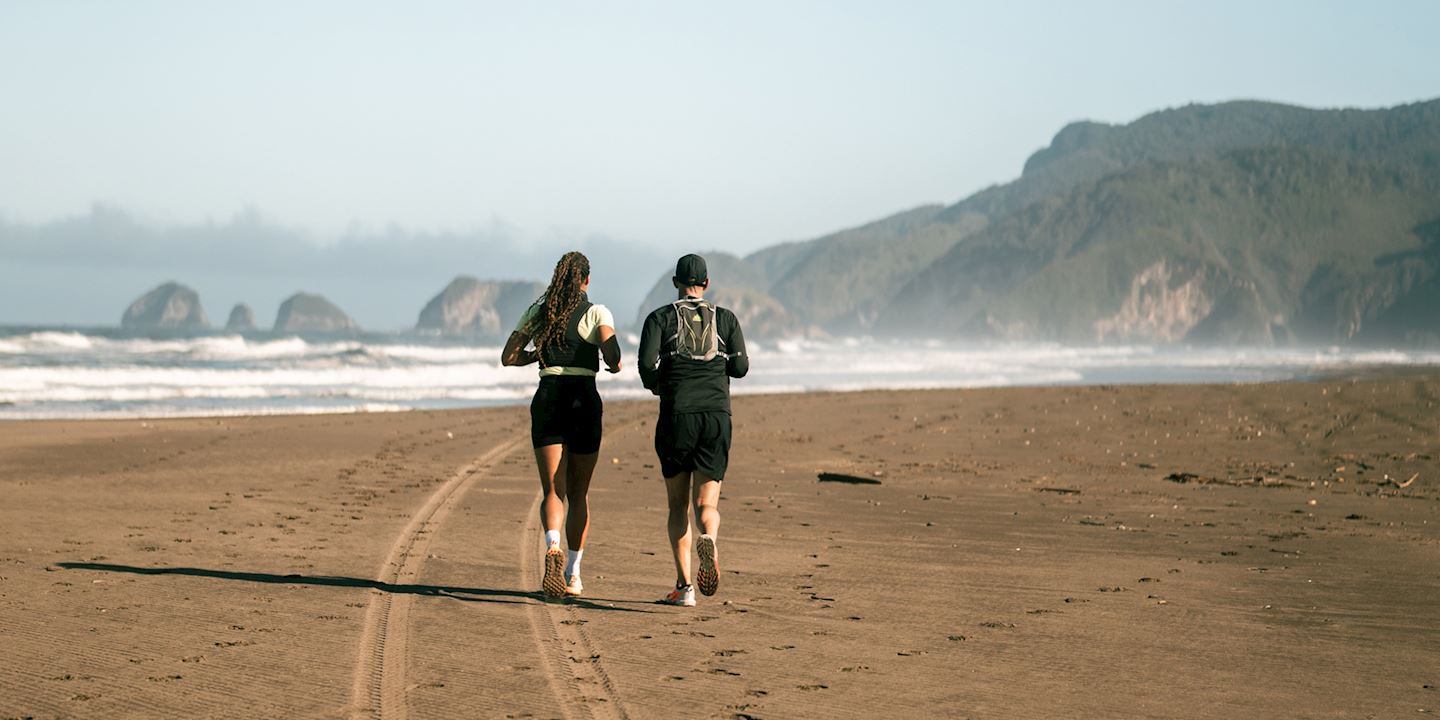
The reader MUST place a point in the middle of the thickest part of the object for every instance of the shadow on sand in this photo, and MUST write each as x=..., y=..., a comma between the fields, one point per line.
x=509, y=597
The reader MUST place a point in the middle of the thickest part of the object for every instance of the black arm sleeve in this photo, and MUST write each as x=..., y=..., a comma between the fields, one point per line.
x=739, y=361
x=610, y=350
x=649, y=364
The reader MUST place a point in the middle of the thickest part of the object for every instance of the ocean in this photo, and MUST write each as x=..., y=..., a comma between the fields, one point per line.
x=104, y=373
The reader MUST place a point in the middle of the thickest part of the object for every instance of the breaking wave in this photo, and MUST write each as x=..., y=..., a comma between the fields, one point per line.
x=68, y=374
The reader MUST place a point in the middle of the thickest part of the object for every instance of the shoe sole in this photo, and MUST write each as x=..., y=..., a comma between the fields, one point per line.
x=678, y=603
x=554, y=583
x=707, y=576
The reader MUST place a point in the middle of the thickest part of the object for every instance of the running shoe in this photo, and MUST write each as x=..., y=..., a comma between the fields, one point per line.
x=707, y=576
x=683, y=596
x=574, y=587
x=554, y=582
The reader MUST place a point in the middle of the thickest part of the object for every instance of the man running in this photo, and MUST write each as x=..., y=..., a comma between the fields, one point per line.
x=689, y=350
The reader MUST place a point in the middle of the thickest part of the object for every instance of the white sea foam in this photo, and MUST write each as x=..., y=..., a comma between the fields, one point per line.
x=231, y=347
x=70, y=374
x=441, y=354
x=46, y=340
x=181, y=411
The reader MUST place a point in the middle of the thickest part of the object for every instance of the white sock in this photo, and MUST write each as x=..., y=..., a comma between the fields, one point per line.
x=552, y=538
x=572, y=562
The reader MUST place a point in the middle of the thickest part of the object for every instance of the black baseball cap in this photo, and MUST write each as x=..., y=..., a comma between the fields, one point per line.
x=690, y=270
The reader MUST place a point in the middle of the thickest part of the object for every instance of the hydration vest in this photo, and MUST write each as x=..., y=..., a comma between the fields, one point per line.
x=572, y=350
x=696, y=337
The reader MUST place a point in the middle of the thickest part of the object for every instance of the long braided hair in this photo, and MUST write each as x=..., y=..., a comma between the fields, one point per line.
x=561, y=298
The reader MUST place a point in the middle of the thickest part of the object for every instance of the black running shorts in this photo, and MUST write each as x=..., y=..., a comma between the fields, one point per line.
x=693, y=442
x=567, y=409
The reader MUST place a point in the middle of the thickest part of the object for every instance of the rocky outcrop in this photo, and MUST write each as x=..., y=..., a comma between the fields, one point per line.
x=304, y=312
x=478, y=308
x=742, y=286
x=171, y=306
x=839, y=282
x=1164, y=304
x=242, y=319
x=726, y=271
x=760, y=315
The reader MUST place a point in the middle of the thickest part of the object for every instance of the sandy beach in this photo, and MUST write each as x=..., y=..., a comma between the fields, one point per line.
x=1222, y=551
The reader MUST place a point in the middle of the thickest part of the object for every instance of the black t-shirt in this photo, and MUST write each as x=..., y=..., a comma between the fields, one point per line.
x=686, y=385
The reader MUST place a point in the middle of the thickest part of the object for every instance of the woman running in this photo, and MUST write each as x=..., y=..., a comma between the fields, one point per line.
x=569, y=335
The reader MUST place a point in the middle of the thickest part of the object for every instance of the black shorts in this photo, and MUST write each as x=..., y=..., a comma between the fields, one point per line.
x=567, y=409
x=693, y=442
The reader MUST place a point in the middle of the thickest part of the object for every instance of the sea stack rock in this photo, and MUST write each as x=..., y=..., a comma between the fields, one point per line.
x=171, y=306
x=303, y=312
x=476, y=308
x=242, y=319
x=761, y=315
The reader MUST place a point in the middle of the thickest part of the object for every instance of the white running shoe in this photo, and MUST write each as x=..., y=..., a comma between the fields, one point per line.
x=683, y=596
x=707, y=576
x=574, y=587
x=554, y=583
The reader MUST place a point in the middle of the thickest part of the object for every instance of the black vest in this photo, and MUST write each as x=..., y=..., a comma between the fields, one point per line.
x=572, y=350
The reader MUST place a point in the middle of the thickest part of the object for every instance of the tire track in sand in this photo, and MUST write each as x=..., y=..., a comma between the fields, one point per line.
x=581, y=686
x=379, y=689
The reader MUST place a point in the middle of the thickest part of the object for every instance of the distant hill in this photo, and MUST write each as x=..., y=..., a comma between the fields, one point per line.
x=839, y=281
x=1085, y=151
x=1243, y=222
x=726, y=270
x=1270, y=245
x=844, y=280
x=738, y=284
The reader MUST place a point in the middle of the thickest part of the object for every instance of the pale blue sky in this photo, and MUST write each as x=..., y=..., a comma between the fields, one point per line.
x=697, y=124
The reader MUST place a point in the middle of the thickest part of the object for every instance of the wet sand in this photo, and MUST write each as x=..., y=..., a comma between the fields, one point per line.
x=1023, y=554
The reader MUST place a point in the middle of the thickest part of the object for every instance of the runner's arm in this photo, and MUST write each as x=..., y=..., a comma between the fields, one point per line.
x=515, y=353
x=650, y=354
x=610, y=348
x=738, y=362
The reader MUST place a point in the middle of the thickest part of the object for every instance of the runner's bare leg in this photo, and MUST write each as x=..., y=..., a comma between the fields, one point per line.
x=707, y=505
x=549, y=461
x=580, y=468
x=677, y=492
